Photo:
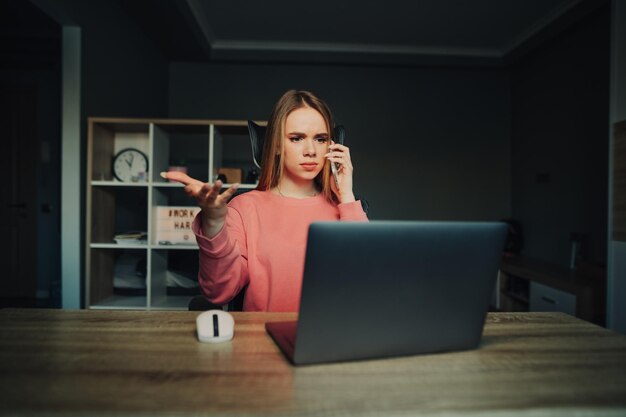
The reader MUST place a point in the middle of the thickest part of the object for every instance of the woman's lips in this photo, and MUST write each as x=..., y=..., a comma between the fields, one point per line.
x=309, y=166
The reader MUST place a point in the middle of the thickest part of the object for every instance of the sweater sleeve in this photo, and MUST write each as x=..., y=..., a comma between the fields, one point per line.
x=223, y=263
x=352, y=212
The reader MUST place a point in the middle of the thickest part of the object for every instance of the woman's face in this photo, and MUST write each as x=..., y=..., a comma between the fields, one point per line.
x=305, y=143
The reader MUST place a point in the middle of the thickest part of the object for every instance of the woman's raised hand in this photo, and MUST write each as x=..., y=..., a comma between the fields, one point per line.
x=209, y=199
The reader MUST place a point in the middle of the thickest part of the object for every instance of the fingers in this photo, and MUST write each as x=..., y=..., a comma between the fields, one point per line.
x=205, y=193
x=208, y=192
x=226, y=195
x=209, y=196
x=339, y=154
x=338, y=151
x=180, y=177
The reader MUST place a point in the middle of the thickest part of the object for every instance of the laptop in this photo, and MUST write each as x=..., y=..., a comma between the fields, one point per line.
x=392, y=288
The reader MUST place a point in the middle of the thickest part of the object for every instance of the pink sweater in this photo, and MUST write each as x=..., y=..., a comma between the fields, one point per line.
x=263, y=245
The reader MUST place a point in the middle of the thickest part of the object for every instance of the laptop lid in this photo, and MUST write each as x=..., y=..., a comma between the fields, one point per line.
x=391, y=288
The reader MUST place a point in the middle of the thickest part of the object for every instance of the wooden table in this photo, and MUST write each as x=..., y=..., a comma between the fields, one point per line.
x=92, y=363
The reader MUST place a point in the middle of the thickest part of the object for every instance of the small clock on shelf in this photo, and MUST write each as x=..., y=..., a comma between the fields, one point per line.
x=130, y=165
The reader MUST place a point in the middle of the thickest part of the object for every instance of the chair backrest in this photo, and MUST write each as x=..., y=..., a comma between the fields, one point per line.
x=200, y=303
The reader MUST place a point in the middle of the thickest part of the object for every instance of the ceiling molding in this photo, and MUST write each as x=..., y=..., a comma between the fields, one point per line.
x=373, y=55
x=350, y=48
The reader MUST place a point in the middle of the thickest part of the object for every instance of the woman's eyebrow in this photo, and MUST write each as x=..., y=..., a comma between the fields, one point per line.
x=317, y=135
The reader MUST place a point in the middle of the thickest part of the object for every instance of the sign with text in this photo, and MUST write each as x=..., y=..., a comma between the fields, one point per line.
x=173, y=224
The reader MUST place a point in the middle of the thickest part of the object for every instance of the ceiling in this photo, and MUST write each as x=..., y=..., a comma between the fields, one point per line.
x=28, y=37
x=390, y=32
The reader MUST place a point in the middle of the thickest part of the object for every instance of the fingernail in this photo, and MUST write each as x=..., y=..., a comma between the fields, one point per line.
x=163, y=175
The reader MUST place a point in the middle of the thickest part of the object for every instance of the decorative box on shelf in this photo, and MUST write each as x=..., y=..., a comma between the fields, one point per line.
x=173, y=225
x=231, y=175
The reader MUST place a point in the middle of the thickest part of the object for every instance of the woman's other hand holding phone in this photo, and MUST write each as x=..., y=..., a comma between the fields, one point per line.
x=340, y=155
x=209, y=199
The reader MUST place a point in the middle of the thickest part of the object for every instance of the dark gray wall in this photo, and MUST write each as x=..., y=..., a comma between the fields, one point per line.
x=426, y=143
x=560, y=146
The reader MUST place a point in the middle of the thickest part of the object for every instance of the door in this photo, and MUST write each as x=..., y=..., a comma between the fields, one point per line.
x=18, y=228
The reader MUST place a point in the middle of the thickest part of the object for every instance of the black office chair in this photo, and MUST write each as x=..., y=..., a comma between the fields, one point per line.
x=200, y=303
x=257, y=138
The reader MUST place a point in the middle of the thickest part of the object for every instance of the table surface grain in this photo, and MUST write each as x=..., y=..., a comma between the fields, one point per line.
x=93, y=362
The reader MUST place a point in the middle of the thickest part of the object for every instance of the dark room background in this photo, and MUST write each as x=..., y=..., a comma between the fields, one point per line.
x=525, y=138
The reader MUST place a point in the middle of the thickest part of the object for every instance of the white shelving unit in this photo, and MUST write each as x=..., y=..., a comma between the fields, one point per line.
x=114, y=207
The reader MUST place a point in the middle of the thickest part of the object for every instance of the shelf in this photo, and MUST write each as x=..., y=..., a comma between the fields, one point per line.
x=143, y=246
x=243, y=186
x=117, y=246
x=179, y=185
x=122, y=302
x=113, y=207
x=167, y=184
x=175, y=247
x=172, y=302
x=118, y=184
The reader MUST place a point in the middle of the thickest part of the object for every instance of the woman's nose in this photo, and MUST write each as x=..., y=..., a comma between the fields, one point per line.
x=309, y=148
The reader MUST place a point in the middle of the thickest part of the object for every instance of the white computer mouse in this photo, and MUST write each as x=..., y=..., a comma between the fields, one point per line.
x=215, y=326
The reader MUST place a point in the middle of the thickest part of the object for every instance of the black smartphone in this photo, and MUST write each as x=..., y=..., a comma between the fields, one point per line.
x=340, y=135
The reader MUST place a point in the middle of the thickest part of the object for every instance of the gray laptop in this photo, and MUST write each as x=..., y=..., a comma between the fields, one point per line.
x=392, y=288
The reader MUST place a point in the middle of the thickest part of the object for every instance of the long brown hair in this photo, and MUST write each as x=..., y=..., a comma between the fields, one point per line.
x=272, y=159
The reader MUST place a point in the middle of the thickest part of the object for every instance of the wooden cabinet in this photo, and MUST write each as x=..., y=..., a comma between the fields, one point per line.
x=148, y=273
x=532, y=285
x=544, y=298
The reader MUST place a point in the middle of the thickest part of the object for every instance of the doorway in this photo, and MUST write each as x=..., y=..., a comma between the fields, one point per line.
x=30, y=117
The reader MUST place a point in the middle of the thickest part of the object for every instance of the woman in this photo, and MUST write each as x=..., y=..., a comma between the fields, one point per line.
x=259, y=238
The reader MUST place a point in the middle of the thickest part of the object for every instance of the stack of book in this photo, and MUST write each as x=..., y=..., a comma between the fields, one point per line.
x=131, y=238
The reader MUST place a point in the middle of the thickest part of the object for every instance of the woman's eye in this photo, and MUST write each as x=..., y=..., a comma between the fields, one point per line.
x=295, y=138
x=322, y=140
